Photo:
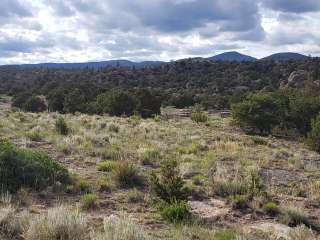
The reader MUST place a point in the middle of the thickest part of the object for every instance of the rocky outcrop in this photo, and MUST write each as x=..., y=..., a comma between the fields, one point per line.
x=209, y=211
x=297, y=79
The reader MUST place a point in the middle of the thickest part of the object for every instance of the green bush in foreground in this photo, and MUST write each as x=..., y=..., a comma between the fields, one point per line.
x=169, y=187
x=27, y=168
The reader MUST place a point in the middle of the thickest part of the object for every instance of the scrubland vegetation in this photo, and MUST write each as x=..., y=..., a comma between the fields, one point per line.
x=80, y=176
x=99, y=159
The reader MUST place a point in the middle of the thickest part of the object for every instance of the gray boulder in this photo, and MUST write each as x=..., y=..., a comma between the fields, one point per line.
x=297, y=79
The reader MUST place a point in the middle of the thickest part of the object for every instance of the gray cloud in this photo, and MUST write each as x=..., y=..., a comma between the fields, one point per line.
x=13, y=8
x=33, y=30
x=167, y=16
x=296, y=6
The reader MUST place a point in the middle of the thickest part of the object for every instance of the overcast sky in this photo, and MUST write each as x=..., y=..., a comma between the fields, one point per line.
x=33, y=31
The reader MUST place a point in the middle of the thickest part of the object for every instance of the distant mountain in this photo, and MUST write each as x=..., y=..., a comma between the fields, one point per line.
x=93, y=65
x=285, y=56
x=227, y=56
x=232, y=56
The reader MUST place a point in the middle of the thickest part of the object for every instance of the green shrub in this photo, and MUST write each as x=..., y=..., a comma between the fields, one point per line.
x=126, y=175
x=313, y=139
x=89, y=201
x=170, y=186
x=34, y=104
x=117, y=103
x=176, y=211
x=271, y=208
x=74, y=101
x=56, y=101
x=260, y=111
x=27, y=168
x=61, y=126
x=148, y=104
x=106, y=166
x=199, y=117
x=20, y=99
x=303, y=107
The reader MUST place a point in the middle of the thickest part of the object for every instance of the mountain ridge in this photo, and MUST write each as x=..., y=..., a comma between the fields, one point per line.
x=226, y=56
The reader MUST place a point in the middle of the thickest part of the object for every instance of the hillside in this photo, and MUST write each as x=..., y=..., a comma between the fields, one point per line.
x=286, y=56
x=232, y=56
x=209, y=155
x=91, y=65
x=193, y=79
x=227, y=56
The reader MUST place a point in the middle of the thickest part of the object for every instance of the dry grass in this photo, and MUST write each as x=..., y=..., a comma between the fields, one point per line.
x=59, y=223
x=216, y=151
x=119, y=229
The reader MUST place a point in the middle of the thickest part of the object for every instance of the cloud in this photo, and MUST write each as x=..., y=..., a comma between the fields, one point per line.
x=88, y=30
x=295, y=6
x=11, y=8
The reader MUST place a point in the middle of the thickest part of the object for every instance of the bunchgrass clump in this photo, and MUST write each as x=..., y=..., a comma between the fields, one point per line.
x=230, y=188
x=199, y=117
x=34, y=135
x=135, y=196
x=59, y=223
x=271, y=208
x=126, y=175
x=226, y=234
x=175, y=212
x=121, y=229
x=294, y=217
x=113, y=128
x=89, y=201
x=106, y=166
x=150, y=156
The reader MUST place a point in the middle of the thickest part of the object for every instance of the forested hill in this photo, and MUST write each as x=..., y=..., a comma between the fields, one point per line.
x=194, y=77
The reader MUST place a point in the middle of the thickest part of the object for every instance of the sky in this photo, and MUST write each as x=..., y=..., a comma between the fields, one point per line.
x=34, y=31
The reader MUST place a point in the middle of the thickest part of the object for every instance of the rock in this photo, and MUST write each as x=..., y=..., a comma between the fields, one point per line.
x=241, y=89
x=209, y=211
x=281, y=177
x=297, y=79
x=280, y=231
